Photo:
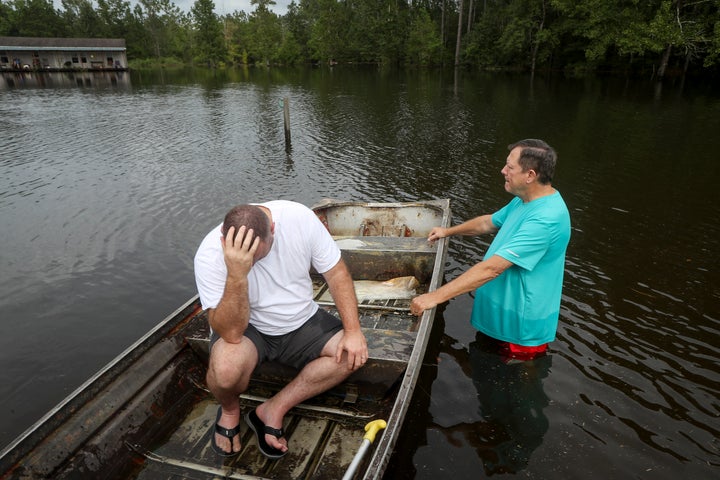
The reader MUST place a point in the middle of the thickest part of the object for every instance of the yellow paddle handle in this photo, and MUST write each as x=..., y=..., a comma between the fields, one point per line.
x=373, y=428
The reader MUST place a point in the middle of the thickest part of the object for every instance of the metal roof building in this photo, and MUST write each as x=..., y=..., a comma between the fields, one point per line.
x=37, y=53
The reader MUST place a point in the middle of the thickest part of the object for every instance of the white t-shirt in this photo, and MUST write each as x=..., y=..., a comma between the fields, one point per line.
x=279, y=285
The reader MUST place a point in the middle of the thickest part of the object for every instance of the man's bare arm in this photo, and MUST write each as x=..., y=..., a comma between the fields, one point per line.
x=231, y=316
x=343, y=293
x=475, y=226
x=480, y=274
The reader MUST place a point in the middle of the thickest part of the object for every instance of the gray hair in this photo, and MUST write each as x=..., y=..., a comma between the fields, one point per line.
x=537, y=155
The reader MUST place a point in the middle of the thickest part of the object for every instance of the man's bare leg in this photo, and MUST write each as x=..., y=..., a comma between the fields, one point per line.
x=229, y=371
x=316, y=377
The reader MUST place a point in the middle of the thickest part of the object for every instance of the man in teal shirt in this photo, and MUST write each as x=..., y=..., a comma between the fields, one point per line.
x=519, y=281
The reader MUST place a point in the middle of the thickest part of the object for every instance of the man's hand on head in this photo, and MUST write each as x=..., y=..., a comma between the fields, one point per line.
x=239, y=251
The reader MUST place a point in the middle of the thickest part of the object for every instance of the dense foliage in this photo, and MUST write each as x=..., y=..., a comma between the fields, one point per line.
x=657, y=36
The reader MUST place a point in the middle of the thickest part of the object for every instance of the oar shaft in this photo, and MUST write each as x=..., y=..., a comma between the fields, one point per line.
x=371, y=429
x=356, y=460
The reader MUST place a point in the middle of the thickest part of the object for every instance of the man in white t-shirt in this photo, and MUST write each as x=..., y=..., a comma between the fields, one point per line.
x=253, y=277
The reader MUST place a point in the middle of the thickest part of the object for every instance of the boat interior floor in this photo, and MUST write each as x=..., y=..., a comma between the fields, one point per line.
x=319, y=439
x=323, y=433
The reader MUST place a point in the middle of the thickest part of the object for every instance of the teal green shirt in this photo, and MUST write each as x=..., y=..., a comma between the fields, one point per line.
x=522, y=305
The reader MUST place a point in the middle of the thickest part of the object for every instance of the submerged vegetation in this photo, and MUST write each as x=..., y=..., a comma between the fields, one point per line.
x=656, y=37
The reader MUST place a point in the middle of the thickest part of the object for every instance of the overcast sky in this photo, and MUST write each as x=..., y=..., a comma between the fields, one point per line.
x=221, y=6
x=228, y=6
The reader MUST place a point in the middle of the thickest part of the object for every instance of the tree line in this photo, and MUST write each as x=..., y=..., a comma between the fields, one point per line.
x=638, y=36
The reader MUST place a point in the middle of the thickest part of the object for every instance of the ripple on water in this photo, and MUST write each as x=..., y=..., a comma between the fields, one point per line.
x=105, y=196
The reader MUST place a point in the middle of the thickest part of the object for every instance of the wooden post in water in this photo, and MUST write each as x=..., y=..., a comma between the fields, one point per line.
x=286, y=115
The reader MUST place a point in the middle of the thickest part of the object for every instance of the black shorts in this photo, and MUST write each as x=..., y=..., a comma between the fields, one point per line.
x=297, y=348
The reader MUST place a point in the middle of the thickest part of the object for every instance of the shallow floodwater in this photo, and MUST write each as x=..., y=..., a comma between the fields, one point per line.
x=109, y=182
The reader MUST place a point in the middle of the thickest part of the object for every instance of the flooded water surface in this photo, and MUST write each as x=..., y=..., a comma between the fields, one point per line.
x=109, y=183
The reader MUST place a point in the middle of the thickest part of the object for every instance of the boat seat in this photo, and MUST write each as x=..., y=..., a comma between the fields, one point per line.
x=383, y=258
x=384, y=244
x=389, y=352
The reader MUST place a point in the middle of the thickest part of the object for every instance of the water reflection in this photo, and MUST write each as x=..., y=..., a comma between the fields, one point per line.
x=20, y=80
x=104, y=197
x=511, y=406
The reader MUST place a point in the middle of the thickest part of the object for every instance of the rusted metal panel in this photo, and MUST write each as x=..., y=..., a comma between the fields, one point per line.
x=88, y=44
x=375, y=265
x=381, y=219
x=46, y=444
x=153, y=412
x=384, y=447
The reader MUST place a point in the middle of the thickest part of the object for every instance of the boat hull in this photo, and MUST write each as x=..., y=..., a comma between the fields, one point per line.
x=148, y=414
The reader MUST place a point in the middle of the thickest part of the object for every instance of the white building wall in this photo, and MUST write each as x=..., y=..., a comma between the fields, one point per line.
x=58, y=59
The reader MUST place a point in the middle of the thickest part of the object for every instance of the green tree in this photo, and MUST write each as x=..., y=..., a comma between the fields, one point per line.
x=296, y=27
x=653, y=32
x=327, y=29
x=376, y=29
x=599, y=23
x=681, y=27
x=5, y=13
x=209, y=44
x=713, y=56
x=423, y=46
x=290, y=51
x=160, y=20
x=116, y=18
x=662, y=35
x=480, y=48
x=237, y=33
x=525, y=39
x=81, y=19
x=265, y=31
x=34, y=18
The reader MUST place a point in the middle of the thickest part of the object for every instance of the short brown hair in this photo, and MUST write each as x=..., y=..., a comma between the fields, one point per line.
x=250, y=216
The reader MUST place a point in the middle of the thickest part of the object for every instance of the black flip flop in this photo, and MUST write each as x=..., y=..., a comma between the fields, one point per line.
x=225, y=432
x=260, y=430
